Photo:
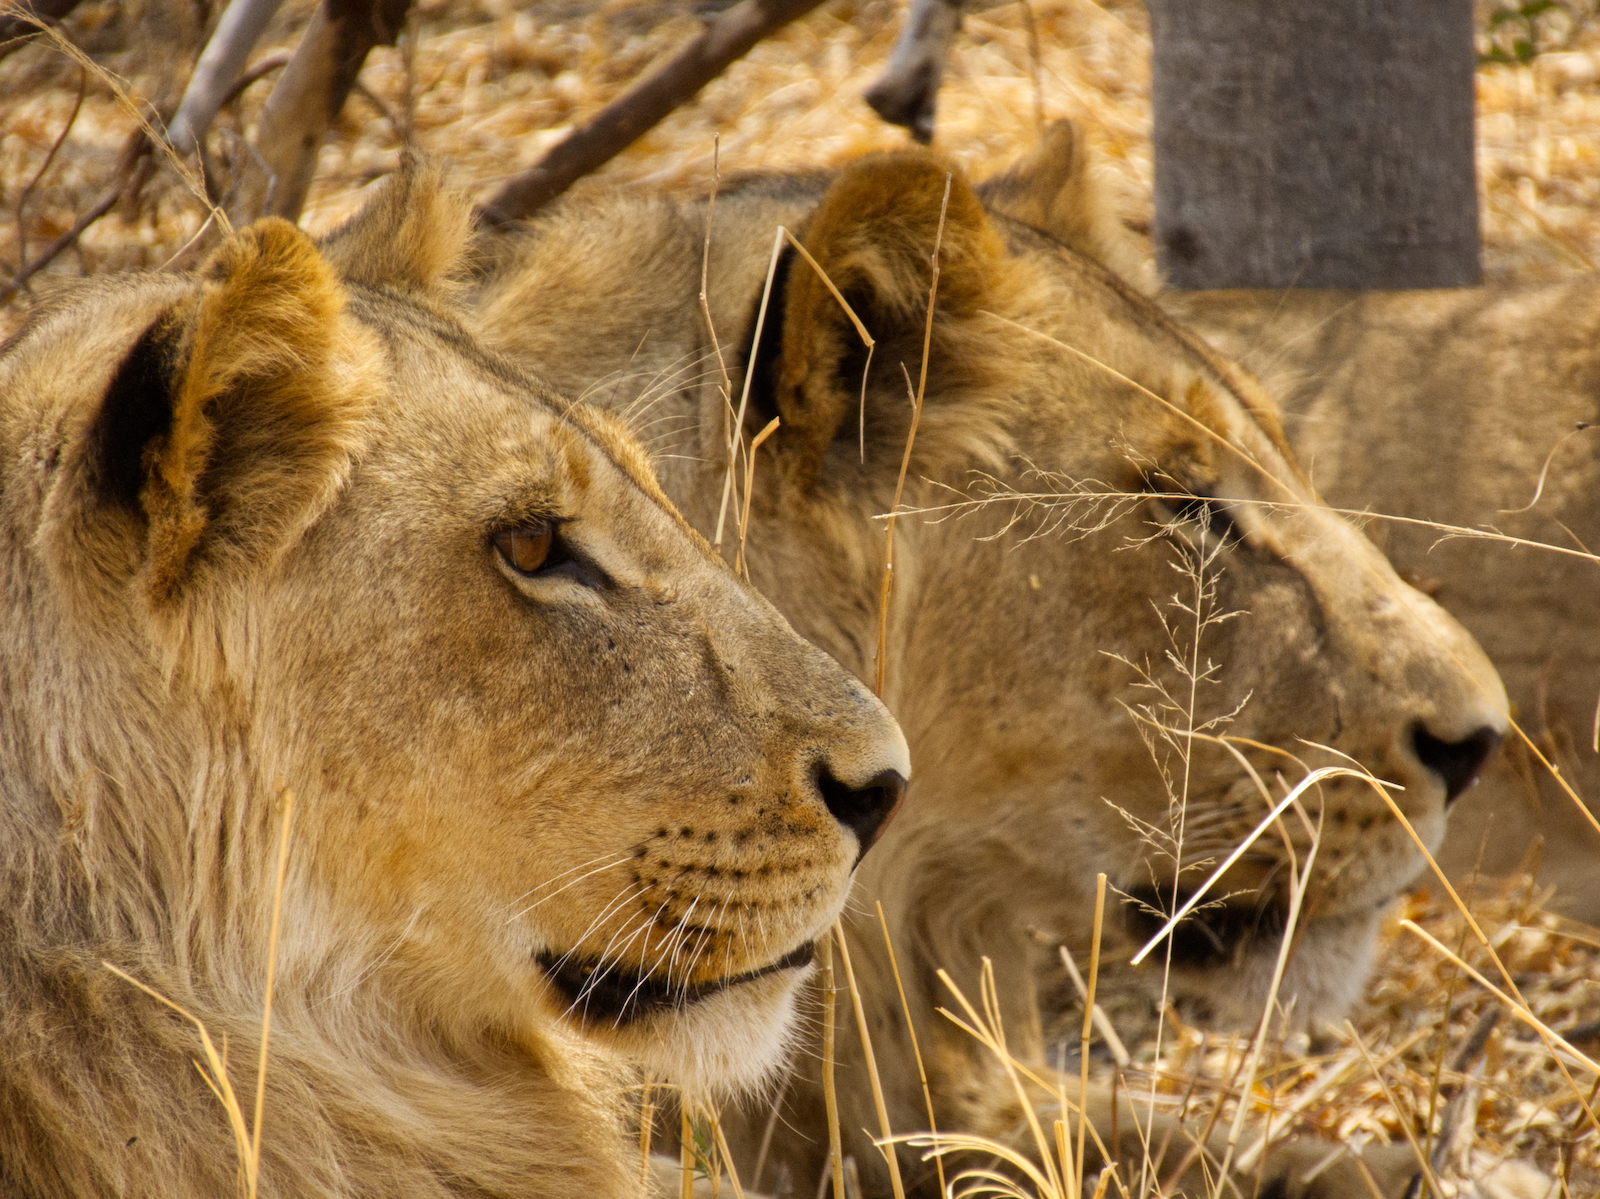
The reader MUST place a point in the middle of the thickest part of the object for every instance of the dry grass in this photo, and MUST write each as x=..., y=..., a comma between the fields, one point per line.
x=1498, y=1103
x=488, y=88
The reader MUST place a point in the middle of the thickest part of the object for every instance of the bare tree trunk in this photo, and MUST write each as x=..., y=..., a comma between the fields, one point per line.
x=307, y=98
x=1314, y=143
x=908, y=91
x=219, y=66
x=638, y=110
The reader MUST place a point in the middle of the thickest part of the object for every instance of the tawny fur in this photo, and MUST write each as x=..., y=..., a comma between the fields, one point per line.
x=248, y=520
x=1011, y=658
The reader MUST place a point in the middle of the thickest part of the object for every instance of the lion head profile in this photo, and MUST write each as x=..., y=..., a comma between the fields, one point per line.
x=1117, y=563
x=567, y=793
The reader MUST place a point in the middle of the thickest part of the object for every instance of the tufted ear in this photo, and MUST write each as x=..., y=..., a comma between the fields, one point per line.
x=1053, y=189
x=411, y=234
x=873, y=234
x=231, y=423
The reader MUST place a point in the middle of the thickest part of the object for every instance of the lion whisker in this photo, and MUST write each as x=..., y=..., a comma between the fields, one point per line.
x=617, y=901
x=617, y=861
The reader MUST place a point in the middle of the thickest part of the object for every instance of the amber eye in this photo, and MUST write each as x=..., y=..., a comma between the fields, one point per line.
x=527, y=548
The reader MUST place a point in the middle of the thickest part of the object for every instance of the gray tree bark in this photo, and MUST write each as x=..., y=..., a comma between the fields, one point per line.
x=219, y=68
x=274, y=179
x=1314, y=143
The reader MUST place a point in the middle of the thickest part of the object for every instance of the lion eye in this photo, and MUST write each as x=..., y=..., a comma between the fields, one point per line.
x=526, y=549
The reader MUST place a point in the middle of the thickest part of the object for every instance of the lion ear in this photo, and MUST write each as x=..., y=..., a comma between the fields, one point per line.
x=873, y=235
x=1054, y=189
x=412, y=234
x=232, y=422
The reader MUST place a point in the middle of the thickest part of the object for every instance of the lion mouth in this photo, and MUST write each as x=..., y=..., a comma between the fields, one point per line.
x=596, y=989
x=1211, y=935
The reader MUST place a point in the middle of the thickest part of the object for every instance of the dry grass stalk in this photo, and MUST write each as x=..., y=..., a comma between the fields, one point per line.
x=647, y=1126
x=1088, y=1024
x=246, y=1138
x=889, y=1154
x=705, y=299
x=830, y=1094
x=736, y=438
x=217, y=1079
x=861, y=331
x=1405, y=1125
x=916, y=1048
x=880, y=654
x=1102, y=1022
x=1517, y=1006
x=771, y=427
x=727, y=1160
x=272, y=975
x=686, y=1156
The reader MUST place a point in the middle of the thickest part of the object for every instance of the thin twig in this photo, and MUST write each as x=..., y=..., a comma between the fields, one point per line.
x=22, y=197
x=100, y=207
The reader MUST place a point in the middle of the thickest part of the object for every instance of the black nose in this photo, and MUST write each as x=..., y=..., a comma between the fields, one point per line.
x=862, y=810
x=1456, y=762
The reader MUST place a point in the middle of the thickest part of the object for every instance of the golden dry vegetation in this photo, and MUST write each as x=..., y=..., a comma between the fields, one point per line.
x=488, y=86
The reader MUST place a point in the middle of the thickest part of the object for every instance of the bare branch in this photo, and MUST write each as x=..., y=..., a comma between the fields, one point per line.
x=638, y=110
x=24, y=17
x=135, y=155
x=307, y=99
x=221, y=62
x=23, y=196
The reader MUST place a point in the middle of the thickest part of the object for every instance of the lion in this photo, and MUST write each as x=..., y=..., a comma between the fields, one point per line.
x=568, y=798
x=1463, y=408
x=1072, y=447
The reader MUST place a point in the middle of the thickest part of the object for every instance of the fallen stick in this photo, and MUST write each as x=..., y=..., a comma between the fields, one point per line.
x=643, y=106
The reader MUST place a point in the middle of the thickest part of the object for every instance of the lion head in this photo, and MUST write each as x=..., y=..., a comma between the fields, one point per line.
x=1116, y=564
x=566, y=791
